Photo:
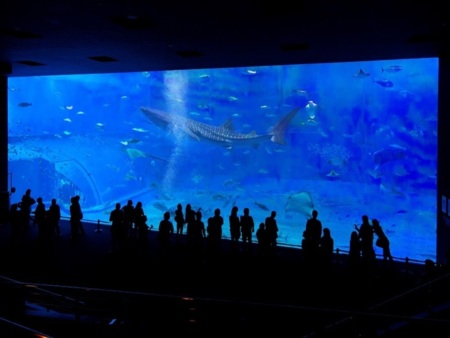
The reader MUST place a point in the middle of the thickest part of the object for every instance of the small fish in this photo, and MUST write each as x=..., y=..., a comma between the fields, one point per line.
x=130, y=141
x=261, y=206
x=65, y=132
x=140, y=130
x=361, y=74
x=385, y=83
x=392, y=69
x=24, y=104
x=69, y=107
x=80, y=113
x=67, y=119
x=100, y=125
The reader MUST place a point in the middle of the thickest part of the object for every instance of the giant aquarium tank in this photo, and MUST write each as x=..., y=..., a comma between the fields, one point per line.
x=346, y=139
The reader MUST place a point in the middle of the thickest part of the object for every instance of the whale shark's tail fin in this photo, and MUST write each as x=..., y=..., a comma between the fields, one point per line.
x=279, y=129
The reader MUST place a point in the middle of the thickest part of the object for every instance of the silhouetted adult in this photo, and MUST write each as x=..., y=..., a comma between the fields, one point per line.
x=214, y=230
x=271, y=231
x=75, y=218
x=235, y=227
x=54, y=217
x=45, y=232
x=382, y=242
x=140, y=222
x=195, y=235
x=247, y=228
x=189, y=215
x=128, y=218
x=165, y=231
x=312, y=235
x=25, y=207
x=365, y=233
x=40, y=218
x=179, y=220
x=354, y=254
x=118, y=229
x=326, y=248
x=80, y=225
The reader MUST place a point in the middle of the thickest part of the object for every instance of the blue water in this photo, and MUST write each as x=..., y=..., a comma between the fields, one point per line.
x=364, y=141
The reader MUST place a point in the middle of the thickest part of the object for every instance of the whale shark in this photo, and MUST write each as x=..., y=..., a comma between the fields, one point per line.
x=224, y=135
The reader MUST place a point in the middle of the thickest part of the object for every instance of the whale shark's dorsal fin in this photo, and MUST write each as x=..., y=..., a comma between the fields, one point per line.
x=228, y=125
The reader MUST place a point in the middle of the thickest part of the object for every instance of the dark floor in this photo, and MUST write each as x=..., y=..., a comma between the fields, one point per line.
x=82, y=289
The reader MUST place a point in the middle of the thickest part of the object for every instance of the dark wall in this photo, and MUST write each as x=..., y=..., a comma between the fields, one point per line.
x=443, y=221
x=4, y=195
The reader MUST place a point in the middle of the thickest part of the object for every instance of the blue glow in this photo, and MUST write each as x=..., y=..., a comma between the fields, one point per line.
x=364, y=141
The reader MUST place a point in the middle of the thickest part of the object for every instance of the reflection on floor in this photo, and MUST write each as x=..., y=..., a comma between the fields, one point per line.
x=82, y=289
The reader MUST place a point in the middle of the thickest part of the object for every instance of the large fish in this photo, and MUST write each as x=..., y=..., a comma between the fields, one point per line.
x=390, y=153
x=300, y=203
x=224, y=135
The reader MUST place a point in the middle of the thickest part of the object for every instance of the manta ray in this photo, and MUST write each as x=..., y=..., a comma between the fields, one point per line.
x=224, y=135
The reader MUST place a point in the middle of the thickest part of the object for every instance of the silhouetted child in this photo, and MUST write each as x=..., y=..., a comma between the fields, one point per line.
x=179, y=219
x=261, y=238
x=165, y=231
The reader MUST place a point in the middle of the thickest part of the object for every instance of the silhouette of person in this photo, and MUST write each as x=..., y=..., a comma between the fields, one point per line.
x=261, y=238
x=25, y=207
x=78, y=205
x=365, y=234
x=312, y=236
x=247, y=228
x=45, y=232
x=271, y=231
x=118, y=229
x=179, y=220
x=235, y=227
x=354, y=254
x=195, y=236
x=128, y=218
x=326, y=248
x=189, y=214
x=40, y=217
x=165, y=231
x=54, y=217
x=140, y=222
x=382, y=241
x=75, y=218
x=214, y=230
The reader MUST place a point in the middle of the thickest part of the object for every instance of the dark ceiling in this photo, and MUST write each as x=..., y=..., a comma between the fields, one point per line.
x=103, y=36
